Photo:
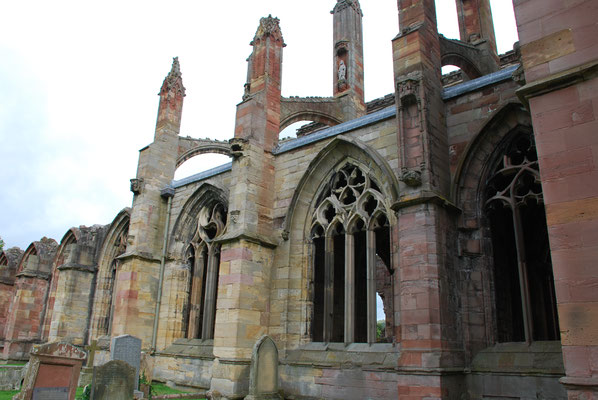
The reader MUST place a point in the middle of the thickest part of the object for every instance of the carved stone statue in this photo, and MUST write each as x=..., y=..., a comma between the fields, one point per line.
x=342, y=71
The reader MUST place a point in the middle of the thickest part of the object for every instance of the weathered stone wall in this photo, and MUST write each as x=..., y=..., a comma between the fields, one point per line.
x=71, y=309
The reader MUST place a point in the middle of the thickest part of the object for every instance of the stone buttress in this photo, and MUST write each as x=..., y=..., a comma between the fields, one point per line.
x=138, y=277
x=428, y=334
x=248, y=245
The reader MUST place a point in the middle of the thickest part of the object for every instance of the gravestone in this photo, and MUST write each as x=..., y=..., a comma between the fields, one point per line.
x=263, y=373
x=127, y=348
x=53, y=372
x=114, y=380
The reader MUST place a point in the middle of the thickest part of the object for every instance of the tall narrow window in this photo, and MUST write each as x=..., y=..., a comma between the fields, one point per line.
x=523, y=280
x=120, y=247
x=203, y=259
x=350, y=235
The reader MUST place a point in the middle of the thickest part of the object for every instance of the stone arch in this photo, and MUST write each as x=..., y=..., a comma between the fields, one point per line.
x=467, y=66
x=321, y=167
x=192, y=268
x=114, y=245
x=195, y=147
x=183, y=229
x=477, y=158
x=44, y=250
x=63, y=255
x=298, y=226
x=467, y=191
x=309, y=115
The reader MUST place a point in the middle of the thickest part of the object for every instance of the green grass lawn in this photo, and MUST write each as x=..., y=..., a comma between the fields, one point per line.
x=7, y=394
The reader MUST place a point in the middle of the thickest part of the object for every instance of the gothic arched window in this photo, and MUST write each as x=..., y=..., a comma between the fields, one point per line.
x=523, y=280
x=350, y=237
x=203, y=259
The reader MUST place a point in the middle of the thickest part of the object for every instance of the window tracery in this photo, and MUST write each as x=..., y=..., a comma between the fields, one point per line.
x=526, y=306
x=203, y=258
x=350, y=236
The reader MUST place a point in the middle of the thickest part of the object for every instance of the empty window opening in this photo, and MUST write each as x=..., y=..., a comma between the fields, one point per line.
x=351, y=261
x=524, y=286
x=203, y=261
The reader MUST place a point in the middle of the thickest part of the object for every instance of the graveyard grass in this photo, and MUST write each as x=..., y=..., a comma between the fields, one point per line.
x=7, y=394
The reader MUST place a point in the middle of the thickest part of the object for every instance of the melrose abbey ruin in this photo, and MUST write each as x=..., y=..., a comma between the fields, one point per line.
x=467, y=203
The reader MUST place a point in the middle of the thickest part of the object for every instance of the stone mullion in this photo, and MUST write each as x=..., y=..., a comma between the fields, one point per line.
x=209, y=311
x=522, y=270
x=349, y=288
x=328, y=288
x=371, y=285
x=195, y=300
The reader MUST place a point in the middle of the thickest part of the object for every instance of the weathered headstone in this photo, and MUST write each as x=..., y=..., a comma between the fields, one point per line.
x=53, y=373
x=114, y=380
x=127, y=348
x=263, y=374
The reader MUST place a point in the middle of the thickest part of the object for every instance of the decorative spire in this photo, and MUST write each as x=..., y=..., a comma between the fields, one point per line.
x=342, y=4
x=269, y=26
x=174, y=80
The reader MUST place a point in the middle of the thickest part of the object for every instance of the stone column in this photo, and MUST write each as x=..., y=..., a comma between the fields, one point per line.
x=138, y=274
x=429, y=333
x=348, y=58
x=560, y=60
x=242, y=315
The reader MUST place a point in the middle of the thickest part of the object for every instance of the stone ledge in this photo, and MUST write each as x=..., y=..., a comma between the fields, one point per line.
x=557, y=81
x=379, y=356
x=538, y=359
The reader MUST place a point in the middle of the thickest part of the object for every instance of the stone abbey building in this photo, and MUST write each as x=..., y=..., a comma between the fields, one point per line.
x=467, y=202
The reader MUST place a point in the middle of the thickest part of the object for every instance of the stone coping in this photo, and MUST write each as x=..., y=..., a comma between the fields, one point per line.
x=539, y=358
x=378, y=356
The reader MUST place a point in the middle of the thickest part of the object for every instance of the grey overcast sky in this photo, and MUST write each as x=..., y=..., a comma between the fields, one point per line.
x=79, y=83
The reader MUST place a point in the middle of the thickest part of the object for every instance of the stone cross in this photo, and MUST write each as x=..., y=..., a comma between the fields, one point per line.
x=91, y=349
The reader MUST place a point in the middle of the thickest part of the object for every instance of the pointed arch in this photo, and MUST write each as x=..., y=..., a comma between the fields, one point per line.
x=477, y=159
x=194, y=261
x=340, y=305
x=320, y=169
x=205, y=196
x=64, y=254
x=114, y=244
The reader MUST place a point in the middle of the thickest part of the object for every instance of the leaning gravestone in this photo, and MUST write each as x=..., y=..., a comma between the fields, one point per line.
x=53, y=373
x=114, y=380
x=127, y=348
x=263, y=373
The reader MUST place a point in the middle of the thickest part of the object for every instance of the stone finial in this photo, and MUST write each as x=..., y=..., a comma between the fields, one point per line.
x=269, y=26
x=173, y=80
x=343, y=4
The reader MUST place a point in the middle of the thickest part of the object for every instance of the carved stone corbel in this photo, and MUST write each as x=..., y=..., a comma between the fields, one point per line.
x=136, y=185
x=237, y=146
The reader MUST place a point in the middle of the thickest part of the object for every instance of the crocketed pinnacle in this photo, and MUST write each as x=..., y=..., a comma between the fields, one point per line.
x=269, y=26
x=174, y=80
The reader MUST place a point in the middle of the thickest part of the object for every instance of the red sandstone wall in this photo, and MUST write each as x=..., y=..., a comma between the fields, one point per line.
x=559, y=38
